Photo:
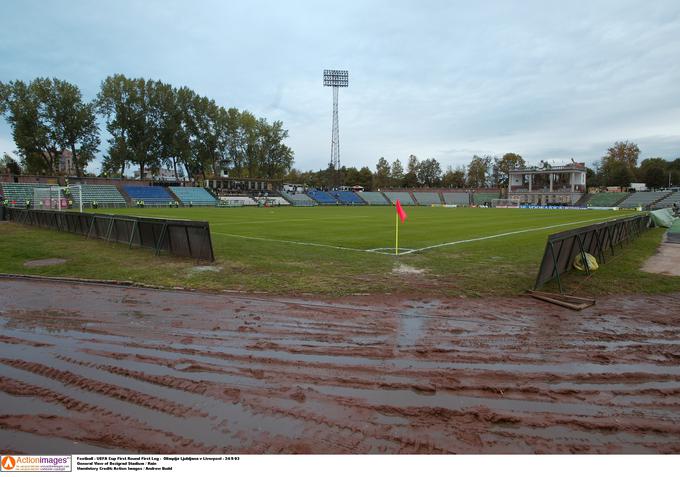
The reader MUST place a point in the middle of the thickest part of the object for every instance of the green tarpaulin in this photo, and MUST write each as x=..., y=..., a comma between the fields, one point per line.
x=663, y=217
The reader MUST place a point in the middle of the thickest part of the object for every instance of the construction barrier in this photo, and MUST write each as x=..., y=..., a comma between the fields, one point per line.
x=184, y=238
x=598, y=240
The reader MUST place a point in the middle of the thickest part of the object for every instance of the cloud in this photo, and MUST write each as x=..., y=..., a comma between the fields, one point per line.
x=549, y=80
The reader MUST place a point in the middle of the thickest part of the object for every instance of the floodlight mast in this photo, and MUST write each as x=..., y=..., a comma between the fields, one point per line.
x=335, y=79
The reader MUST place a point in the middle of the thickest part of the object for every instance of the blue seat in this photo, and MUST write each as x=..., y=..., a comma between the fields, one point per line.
x=151, y=195
x=322, y=197
x=347, y=197
x=193, y=195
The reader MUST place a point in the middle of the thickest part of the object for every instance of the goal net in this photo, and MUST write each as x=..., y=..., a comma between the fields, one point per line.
x=58, y=198
x=505, y=203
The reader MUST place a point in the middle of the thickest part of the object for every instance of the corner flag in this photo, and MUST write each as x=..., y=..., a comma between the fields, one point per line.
x=400, y=211
x=401, y=215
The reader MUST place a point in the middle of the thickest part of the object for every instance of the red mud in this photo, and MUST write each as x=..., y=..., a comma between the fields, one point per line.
x=89, y=368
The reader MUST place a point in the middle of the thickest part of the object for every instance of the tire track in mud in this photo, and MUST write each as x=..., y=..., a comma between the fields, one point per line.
x=237, y=374
x=112, y=428
x=128, y=395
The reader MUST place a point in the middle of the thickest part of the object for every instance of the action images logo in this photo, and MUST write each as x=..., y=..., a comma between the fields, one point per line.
x=35, y=463
x=8, y=462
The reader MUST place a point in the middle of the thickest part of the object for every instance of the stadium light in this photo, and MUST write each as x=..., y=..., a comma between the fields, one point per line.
x=335, y=79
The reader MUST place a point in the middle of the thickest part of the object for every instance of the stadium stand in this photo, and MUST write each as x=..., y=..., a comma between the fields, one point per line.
x=323, y=198
x=373, y=198
x=193, y=195
x=456, y=198
x=298, y=200
x=151, y=195
x=105, y=195
x=347, y=197
x=277, y=200
x=668, y=201
x=479, y=198
x=17, y=194
x=607, y=199
x=236, y=201
x=427, y=198
x=643, y=199
x=404, y=197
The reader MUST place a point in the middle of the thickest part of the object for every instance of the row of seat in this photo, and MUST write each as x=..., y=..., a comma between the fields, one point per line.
x=607, y=199
x=643, y=199
x=668, y=201
x=193, y=195
x=106, y=195
x=391, y=197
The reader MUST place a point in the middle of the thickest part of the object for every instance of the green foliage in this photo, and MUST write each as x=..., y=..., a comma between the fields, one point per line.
x=397, y=174
x=454, y=178
x=153, y=124
x=618, y=166
x=429, y=173
x=502, y=167
x=478, y=171
x=381, y=178
x=49, y=116
x=9, y=166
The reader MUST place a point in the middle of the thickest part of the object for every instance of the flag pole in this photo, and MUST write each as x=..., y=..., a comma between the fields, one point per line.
x=396, y=234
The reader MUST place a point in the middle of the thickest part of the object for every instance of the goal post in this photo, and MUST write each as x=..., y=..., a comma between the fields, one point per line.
x=505, y=203
x=58, y=198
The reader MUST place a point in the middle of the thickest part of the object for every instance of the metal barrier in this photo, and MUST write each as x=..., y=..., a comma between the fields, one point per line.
x=184, y=238
x=3, y=213
x=597, y=240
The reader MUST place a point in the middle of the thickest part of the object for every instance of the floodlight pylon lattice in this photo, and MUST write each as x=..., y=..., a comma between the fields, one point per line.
x=335, y=79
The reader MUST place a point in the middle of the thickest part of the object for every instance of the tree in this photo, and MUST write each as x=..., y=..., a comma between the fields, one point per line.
x=74, y=121
x=381, y=178
x=429, y=173
x=623, y=154
x=617, y=174
x=33, y=130
x=365, y=178
x=275, y=158
x=654, y=171
x=503, y=166
x=397, y=174
x=478, y=171
x=411, y=176
x=9, y=166
x=115, y=101
x=454, y=179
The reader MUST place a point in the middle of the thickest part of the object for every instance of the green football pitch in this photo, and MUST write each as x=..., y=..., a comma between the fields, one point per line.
x=372, y=229
x=344, y=250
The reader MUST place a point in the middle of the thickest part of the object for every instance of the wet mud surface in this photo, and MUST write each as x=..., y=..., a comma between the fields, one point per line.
x=91, y=369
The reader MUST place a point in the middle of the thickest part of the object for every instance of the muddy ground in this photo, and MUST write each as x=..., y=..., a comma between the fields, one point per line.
x=91, y=368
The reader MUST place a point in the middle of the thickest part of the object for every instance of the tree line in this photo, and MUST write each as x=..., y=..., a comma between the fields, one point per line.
x=151, y=124
x=481, y=172
x=619, y=167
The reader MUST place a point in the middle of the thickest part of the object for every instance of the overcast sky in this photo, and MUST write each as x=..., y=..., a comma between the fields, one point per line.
x=548, y=80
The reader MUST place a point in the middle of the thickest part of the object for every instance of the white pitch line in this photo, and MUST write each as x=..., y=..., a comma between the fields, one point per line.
x=477, y=239
x=310, y=244
x=408, y=251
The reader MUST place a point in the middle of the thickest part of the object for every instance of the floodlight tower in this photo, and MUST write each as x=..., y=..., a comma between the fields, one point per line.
x=336, y=79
